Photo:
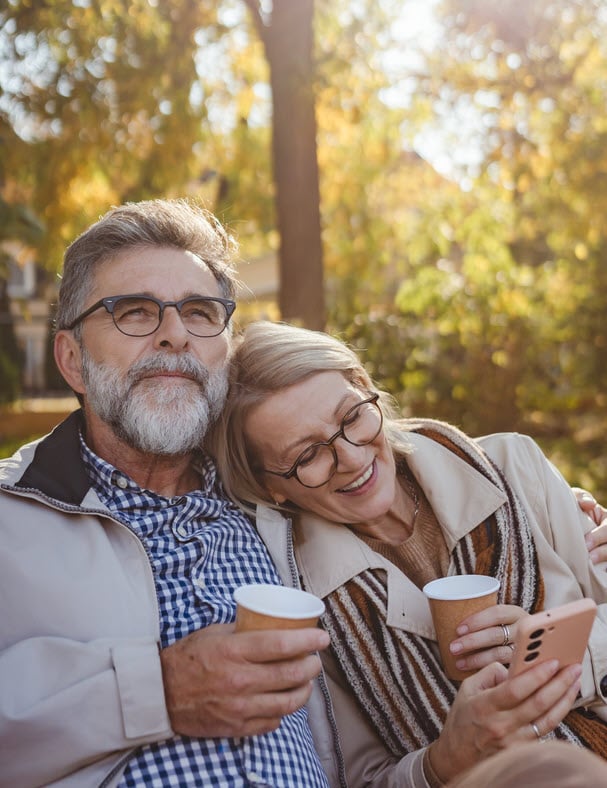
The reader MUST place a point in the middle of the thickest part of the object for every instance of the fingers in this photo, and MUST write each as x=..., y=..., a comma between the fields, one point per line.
x=491, y=617
x=492, y=711
x=480, y=659
x=596, y=542
x=487, y=636
x=490, y=676
x=588, y=503
x=221, y=683
x=550, y=704
x=252, y=716
x=541, y=693
x=542, y=696
x=277, y=645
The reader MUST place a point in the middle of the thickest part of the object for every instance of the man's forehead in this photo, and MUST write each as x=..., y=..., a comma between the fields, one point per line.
x=148, y=268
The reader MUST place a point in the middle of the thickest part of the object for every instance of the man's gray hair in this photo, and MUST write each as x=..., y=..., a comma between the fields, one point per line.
x=152, y=223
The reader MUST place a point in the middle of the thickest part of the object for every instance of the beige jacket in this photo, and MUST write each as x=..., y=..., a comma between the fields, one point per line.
x=329, y=554
x=80, y=676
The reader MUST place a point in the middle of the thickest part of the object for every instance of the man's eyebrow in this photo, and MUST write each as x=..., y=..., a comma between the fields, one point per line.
x=307, y=440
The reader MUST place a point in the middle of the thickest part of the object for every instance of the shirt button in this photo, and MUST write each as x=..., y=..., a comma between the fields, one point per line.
x=200, y=582
x=603, y=686
x=253, y=777
x=182, y=531
x=122, y=482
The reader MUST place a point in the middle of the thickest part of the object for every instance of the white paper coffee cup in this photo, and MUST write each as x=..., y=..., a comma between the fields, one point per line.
x=452, y=599
x=264, y=606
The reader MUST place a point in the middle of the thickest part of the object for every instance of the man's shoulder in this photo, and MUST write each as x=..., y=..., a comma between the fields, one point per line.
x=13, y=467
x=51, y=464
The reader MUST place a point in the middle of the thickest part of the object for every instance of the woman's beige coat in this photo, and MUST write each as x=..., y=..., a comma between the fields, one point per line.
x=329, y=554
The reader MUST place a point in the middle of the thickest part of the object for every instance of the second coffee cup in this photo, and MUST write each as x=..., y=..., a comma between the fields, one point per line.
x=452, y=599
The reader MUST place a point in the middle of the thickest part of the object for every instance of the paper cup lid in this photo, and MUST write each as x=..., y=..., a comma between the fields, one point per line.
x=461, y=587
x=279, y=601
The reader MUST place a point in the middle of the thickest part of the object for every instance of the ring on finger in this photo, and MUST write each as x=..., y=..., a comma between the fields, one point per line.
x=536, y=730
x=506, y=631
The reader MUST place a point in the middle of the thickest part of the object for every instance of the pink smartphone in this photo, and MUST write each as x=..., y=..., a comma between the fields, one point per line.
x=561, y=633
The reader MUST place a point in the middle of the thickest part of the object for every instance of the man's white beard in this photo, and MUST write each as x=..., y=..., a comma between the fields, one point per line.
x=155, y=415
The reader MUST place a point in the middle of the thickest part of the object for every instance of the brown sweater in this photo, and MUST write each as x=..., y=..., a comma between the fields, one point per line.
x=424, y=555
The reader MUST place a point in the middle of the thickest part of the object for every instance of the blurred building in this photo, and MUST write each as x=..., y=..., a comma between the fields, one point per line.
x=31, y=292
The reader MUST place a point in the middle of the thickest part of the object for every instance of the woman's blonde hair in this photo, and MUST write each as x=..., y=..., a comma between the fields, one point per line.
x=267, y=358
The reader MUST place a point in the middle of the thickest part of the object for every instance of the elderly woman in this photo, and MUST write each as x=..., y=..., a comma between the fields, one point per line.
x=363, y=509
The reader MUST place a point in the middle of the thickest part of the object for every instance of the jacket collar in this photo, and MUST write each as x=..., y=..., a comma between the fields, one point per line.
x=56, y=469
x=329, y=554
x=459, y=495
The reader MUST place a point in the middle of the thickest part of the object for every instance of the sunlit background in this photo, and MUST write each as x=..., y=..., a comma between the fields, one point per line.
x=455, y=158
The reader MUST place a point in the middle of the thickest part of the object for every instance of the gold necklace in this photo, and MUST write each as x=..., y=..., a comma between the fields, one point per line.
x=404, y=472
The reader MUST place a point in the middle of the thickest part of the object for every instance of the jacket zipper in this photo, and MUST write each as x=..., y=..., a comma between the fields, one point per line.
x=119, y=767
x=321, y=678
x=54, y=503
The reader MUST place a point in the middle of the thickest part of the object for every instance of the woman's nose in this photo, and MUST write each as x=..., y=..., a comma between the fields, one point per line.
x=348, y=455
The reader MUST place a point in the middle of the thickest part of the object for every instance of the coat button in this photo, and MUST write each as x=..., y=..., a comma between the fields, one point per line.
x=603, y=686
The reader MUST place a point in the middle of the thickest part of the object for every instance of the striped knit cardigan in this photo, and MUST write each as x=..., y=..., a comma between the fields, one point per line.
x=397, y=679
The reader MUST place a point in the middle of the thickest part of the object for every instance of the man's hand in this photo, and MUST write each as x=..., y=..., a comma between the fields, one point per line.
x=596, y=540
x=221, y=683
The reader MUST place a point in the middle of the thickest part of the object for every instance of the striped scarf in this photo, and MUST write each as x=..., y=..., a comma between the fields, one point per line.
x=396, y=676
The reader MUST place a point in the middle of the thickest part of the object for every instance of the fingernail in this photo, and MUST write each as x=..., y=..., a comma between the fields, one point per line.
x=455, y=648
x=462, y=630
x=552, y=665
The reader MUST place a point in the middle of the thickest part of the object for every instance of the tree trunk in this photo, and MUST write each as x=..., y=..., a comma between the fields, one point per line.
x=289, y=43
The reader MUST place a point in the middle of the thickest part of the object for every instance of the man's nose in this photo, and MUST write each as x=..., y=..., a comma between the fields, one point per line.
x=171, y=333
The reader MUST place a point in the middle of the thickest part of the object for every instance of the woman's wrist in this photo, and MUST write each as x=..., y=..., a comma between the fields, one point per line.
x=432, y=778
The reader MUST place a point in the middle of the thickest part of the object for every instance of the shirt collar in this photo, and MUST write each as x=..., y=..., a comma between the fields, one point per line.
x=105, y=477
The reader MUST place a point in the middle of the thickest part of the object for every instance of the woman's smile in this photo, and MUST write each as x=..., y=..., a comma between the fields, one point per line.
x=359, y=485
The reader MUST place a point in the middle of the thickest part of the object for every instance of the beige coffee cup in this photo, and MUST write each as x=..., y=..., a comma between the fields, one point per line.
x=262, y=606
x=452, y=599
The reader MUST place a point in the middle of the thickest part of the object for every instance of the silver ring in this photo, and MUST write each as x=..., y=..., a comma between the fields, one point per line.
x=506, y=631
x=511, y=646
x=536, y=730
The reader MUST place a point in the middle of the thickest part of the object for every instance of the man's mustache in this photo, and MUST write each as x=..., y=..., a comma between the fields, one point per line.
x=163, y=363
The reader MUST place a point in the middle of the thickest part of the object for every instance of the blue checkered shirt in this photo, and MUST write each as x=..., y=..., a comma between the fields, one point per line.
x=202, y=547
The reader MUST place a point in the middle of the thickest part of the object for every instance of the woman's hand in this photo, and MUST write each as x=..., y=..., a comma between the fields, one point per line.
x=492, y=712
x=596, y=540
x=487, y=637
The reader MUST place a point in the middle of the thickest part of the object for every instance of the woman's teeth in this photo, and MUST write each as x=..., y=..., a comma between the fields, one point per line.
x=360, y=481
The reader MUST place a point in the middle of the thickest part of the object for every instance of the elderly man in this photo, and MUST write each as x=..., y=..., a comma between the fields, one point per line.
x=119, y=552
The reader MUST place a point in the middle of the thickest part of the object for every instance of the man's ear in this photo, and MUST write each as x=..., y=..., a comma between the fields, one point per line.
x=68, y=358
